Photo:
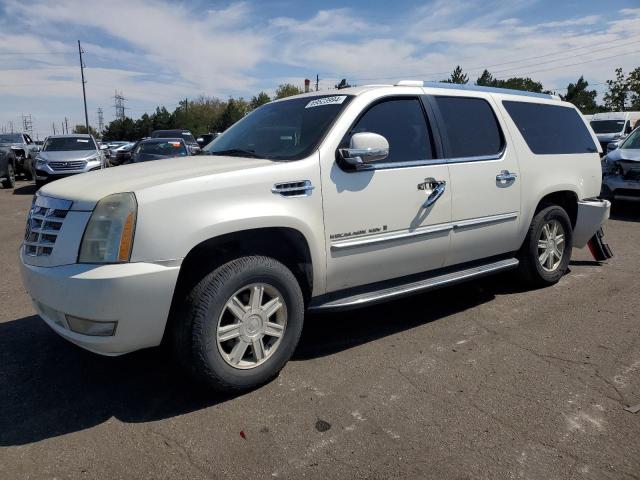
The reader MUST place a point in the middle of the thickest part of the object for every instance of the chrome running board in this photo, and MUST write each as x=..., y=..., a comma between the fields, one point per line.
x=381, y=292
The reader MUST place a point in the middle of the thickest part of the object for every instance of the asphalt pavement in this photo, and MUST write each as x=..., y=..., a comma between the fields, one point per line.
x=478, y=381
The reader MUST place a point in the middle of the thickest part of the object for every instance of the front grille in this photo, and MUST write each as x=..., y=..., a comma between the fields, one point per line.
x=74, y=165
x=633, y=175
x=43, y=226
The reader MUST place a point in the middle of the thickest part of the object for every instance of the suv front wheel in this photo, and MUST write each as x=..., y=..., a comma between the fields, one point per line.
x=241, y=323
x=546, y=251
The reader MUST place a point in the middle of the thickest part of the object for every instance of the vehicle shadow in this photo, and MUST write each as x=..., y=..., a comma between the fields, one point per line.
x=27, y=189
x=49, y=387
x=625, y=211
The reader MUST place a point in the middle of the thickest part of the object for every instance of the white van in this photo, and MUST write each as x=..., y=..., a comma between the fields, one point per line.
x=613, y=126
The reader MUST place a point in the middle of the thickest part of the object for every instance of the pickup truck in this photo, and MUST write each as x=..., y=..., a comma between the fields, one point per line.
x=317, y=202
x=24, y=149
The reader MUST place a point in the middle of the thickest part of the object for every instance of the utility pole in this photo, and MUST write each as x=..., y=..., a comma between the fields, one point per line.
x=53, y=125
x=100, y=121
x=84, y=93
x=66, y=125
x=10, y=126
x=317, y=81
x=119, y=104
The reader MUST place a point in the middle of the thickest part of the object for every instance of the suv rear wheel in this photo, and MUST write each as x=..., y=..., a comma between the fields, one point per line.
x=546, y=251
x=241, y=323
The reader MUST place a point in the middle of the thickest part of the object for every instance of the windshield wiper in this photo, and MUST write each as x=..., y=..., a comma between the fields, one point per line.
x=237, y=152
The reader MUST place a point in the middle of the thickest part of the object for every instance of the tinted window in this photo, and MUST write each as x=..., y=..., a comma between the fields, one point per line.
x=607, y=126
x=470, y=126
x=551, y=129
x=67, y=144
x=403, y=124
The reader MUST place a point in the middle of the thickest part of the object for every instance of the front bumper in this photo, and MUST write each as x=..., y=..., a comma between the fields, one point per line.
x=616, y=187
x=44, y=171
x=591, y=215
x=136, y=295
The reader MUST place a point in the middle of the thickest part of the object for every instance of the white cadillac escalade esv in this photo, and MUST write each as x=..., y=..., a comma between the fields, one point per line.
x=315, y=202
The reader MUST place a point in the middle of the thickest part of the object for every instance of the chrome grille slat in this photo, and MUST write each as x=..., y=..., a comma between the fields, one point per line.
x=71, y=165
x=43, y=228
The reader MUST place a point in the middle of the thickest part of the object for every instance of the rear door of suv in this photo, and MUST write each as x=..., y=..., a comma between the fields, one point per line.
x=484, y=171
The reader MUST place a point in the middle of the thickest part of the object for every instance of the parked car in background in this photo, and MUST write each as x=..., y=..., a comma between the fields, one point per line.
x=621, y=170
x=206, y=139
x=320, y=202
x=113, y=146
x=158, y=149
x=613, y=126
x=185, y=135
x=65, y=155
x=25, y=151
x=7, y=167
x=122, y=155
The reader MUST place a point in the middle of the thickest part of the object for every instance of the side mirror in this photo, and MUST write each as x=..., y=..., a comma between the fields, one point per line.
x=103, y=147
x=193, y=150
x=365, y=147
x=612, y=146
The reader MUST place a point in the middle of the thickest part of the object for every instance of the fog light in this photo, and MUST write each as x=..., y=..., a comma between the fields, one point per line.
x=91, y=327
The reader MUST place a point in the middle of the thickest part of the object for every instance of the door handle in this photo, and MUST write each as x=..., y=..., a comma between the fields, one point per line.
x=437, y=189
x=506, y=176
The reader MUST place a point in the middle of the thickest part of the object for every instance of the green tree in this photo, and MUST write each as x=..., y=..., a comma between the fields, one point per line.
x=582, y=98
x=633, y=83
x=457, y=76
x=259, y=100
x=615, y=98
x=520, y=83
x=83, y=129
x=120, y=130
x=161, y=119
x=234, y=111
x=486, y=79
x=287, y=90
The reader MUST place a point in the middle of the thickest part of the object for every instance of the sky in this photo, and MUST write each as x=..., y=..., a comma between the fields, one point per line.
x=159, y=52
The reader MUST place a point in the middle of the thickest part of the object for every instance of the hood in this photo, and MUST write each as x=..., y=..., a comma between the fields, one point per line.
x=67, y=156
x=145, y=157
x=608, y=137
x=92, y=186
x=632, y=155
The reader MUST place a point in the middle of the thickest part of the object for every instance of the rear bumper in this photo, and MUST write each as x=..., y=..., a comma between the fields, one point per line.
x=136, y=295
x=616, y=187
x=592, y=214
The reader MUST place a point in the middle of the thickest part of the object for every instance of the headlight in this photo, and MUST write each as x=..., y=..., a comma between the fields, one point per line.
x=108, y=237
x=40, y=161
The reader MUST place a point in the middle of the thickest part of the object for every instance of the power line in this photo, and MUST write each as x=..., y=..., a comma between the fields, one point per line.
x=37, y=53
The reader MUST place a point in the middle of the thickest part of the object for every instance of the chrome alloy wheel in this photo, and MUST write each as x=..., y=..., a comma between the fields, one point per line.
x=251, y=325
x=551, y=246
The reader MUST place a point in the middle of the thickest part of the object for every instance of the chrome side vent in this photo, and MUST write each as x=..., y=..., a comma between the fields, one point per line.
x=300, y=188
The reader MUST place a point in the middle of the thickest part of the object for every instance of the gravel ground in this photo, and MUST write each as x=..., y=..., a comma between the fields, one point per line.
x=477, y=381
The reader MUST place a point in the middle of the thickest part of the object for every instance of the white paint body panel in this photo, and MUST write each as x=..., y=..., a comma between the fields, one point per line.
x=208, y=196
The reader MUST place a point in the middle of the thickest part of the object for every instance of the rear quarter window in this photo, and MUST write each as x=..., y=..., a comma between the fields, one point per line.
x=551, y=129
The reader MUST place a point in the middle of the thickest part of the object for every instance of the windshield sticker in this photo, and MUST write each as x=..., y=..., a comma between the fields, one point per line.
x=186, y=134
x=174, y=144
x=336, y=100
x=82, y=140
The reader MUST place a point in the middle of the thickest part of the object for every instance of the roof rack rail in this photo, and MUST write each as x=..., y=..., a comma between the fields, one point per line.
x=475, y=88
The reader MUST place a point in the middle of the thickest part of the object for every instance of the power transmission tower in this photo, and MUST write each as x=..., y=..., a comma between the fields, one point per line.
x=53, y=125
x=27, y=124
x=10, y=126
x=84, y=93
x=119, y=105
x=100, y=121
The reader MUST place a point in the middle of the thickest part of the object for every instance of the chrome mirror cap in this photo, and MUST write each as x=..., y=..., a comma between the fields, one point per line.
x=365, y=147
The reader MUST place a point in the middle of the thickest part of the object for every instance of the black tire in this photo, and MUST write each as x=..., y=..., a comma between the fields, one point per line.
x=530, y=269
x=196, y=324
x=10, y=180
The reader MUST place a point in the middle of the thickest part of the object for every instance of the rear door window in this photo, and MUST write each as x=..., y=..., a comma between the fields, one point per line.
x=551, y=129
x=402, y=122
x=470, y=127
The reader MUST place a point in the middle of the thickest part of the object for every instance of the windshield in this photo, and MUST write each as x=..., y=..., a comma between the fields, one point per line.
x=607, y=126
x=10, y=138
x=286, y=130
x=164, y=148
x=632, y=141
x=67, y=144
